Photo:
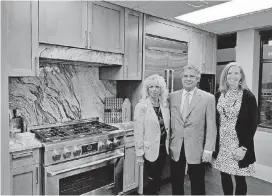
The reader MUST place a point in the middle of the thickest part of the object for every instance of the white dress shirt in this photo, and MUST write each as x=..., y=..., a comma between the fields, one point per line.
x=184, y=94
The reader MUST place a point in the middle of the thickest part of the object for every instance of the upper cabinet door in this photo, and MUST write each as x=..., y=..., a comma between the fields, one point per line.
x=20, y=22
x=209, y=64
x=166, y=29
x=133, y=45
x=195, y=49
x=106, y=27
x=63, y=23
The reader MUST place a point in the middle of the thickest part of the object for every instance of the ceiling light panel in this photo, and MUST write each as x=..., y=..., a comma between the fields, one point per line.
x=225, y=10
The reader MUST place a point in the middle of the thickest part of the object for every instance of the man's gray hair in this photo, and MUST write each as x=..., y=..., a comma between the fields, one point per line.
x=191, y=67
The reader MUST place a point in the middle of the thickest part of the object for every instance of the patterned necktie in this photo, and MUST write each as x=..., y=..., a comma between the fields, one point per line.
x=185, y=108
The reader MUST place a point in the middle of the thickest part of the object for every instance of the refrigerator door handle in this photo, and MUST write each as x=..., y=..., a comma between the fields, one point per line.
x=172, y=80
x=166, y=72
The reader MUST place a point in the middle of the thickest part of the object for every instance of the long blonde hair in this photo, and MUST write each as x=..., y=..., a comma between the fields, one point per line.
x=223, y=87
x=163, y=89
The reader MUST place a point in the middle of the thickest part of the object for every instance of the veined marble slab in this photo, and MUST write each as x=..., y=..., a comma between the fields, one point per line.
x=20, y=145
x=75, y=92
x=79, y=56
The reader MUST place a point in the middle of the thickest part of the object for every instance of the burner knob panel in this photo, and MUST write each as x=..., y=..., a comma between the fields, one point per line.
x=109, y=144
x=56, y=155
x=101, y=146
x=66, y=153
x=76, y=151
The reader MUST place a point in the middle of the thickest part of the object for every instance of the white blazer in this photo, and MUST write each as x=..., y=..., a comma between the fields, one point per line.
x=147, y=132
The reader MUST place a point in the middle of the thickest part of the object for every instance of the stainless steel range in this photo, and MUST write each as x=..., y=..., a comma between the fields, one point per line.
x=80, y=157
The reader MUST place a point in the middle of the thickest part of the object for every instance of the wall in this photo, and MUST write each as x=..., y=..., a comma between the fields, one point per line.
x=5, y=161
x=75, y=92
x=263, y=146
x=248, y=56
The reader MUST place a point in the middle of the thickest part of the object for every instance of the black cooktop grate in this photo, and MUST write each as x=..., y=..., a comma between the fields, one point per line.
x=65, y=132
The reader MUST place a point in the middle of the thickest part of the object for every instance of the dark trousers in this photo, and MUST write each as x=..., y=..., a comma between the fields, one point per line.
x=196, y=174
x=241, y=185
x=154, y=170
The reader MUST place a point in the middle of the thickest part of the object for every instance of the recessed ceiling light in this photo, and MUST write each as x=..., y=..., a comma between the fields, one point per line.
x=225, y=10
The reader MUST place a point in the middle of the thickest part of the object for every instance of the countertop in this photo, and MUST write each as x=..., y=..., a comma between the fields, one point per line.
x=20, y=145
x=128, y=127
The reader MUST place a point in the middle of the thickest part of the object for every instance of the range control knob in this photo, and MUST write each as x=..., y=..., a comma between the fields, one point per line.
x=116, y=142
x=66, y=153
x=76, y=151
x=109, y=144
x=56, y=155
x=101, y=146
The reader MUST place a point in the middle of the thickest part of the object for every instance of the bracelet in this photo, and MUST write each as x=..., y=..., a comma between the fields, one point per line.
x=243, y=148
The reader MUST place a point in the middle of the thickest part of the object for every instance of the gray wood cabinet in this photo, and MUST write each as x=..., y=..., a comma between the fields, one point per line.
x=195, y=48
x=166, y=29
x=210, y=48
x=20, y=28
x=202, y=51
x=131, y=169
x=94, y=25
x=25, y=172
x=132, y=68
x=63, y=23
x=106, y=26
x=133, y=45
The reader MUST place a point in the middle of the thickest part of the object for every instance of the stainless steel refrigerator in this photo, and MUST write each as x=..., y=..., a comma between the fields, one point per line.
x=165, y=57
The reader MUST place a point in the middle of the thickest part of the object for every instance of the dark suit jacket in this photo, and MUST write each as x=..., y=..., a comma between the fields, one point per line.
x=246, y=126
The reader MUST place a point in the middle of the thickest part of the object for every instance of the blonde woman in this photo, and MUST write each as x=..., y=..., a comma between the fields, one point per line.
x=236, y=119
x=151, y=129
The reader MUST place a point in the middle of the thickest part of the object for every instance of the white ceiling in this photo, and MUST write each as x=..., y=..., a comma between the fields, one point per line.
x=256, y=20
x=171, y=9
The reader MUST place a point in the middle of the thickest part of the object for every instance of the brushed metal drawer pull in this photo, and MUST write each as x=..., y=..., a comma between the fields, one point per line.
x=21, y=155
x=90, y=39
x=118, y=155
x=37, y=175
x=37, y=66
x=86, y=39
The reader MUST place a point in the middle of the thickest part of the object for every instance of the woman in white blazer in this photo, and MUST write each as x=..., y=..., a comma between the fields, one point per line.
x=151, y=130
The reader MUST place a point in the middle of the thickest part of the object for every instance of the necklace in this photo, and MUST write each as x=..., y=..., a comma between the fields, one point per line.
x=154, y=103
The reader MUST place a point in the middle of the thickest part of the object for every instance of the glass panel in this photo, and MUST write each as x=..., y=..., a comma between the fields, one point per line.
x=266, y=96
x=267, y=47
x=87, y=181
x=267, y=50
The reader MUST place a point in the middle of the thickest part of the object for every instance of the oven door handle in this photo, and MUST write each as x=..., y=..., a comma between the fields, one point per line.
x=51, y=174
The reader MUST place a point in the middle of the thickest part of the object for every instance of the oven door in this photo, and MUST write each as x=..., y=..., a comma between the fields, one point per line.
x=93, y=175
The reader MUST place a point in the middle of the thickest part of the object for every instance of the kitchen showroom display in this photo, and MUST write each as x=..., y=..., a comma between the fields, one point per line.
x=79, y=157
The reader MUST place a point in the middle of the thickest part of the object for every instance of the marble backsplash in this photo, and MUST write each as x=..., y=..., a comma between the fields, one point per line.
x=69, y=92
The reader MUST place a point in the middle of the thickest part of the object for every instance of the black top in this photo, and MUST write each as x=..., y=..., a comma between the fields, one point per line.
x=161, y=122
x=245, y=127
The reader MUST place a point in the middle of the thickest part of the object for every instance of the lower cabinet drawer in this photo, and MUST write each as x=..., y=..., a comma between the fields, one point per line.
x=26, y=157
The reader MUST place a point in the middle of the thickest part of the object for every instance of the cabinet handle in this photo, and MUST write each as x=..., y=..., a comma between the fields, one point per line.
x=21, y=155
x=90, y=39
x=127, y=70
x=86, y=39
x=37, y=65
x=37, y=175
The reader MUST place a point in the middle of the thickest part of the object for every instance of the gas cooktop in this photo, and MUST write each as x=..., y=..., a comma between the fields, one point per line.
x=72, y=130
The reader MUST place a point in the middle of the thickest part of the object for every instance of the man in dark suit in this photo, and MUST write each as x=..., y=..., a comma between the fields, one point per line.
x=193, y=134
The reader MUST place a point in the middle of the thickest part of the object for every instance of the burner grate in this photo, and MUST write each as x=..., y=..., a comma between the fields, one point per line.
x=65, y=132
